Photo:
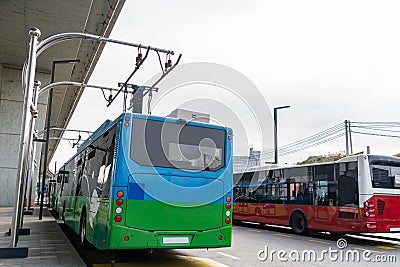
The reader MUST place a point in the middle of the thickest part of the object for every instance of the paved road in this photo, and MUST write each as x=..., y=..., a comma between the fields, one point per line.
x=248, y=241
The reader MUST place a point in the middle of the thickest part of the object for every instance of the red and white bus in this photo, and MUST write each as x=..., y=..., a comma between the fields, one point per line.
x=355, y=194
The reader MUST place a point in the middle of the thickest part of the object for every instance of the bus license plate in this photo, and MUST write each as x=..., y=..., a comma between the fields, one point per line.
x=176, y=240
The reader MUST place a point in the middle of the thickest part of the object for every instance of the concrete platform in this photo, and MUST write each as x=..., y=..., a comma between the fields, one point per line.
x=48, y=246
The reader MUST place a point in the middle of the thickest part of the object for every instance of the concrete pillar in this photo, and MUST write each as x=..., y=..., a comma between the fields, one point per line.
x=11, y=103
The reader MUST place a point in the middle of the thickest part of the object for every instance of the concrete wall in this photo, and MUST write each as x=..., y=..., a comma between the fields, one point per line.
x=11, y=103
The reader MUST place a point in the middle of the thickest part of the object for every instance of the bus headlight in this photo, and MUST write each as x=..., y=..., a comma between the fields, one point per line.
x=367, y=214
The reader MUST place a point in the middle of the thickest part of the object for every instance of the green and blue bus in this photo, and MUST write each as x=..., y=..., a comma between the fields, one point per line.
x=147, y=182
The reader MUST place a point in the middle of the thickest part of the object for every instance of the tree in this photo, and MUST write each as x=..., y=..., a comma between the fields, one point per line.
x=323, y=158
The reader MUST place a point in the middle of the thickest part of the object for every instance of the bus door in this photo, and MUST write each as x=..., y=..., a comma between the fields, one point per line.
x=269, y=206
x=78, y=190
x=324, y=193
x=348, y=217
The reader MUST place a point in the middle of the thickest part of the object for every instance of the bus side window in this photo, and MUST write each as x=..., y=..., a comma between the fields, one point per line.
x=109, y=163
x=325, y=187
x=236, y=192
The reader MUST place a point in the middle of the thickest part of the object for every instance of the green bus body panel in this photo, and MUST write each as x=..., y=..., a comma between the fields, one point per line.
x=155, y=215
x=144, y=215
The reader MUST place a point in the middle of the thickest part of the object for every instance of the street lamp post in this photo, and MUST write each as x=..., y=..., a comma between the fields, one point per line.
x=46, y=150
x=276, y=131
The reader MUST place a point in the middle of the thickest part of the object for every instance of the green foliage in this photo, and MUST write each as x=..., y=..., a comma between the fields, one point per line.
x=323, y=158
x=397, y=155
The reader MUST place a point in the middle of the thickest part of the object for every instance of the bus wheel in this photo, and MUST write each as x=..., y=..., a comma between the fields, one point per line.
x=82, y=232
x=299, y=223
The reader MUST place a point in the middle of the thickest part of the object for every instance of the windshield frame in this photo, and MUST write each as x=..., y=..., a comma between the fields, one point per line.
x=187, y=135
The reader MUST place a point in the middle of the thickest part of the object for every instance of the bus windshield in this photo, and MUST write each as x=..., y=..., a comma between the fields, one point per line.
x=385, y=172
x=173, y=145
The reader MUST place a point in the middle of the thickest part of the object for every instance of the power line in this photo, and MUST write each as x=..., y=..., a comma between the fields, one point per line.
x=383, y=135
x=318, y=138
x=376, y=128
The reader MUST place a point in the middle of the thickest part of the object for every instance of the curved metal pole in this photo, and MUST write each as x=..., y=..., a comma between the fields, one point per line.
x=23, y=151
x=48, y=86
x=54, y=39
x=61, y=37
x=64, y=129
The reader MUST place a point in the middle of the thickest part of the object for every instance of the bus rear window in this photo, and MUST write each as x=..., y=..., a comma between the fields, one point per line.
x=174, y=145
x=385, y=173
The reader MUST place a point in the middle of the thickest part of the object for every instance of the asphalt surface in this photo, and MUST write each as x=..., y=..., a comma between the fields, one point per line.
x=250, y=242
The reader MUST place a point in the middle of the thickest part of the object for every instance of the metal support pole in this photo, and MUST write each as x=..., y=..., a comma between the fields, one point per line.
x=275, y=136
x=350, y=139
x=46, y=150
x=347, y=137
x=28, y=91
x=276, y=132
x=28, y=162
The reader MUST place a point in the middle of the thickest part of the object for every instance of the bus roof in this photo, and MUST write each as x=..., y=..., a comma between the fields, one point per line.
x=109, y=123
x=287, y=166
x=178, y=120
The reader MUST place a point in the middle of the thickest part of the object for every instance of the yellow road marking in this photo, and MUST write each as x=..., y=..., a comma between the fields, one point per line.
x=256, y=231
x=385, y=247
x=227, y=255
x=379, y=252
x=319, y=241
x=283, y=235
x=177, y=261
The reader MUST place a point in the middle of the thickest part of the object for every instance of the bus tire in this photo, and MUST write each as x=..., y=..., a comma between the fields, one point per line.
x=298, y=222
x=82, y=229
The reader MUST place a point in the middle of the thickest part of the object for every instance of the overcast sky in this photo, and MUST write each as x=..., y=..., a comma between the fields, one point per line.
x=328, y=60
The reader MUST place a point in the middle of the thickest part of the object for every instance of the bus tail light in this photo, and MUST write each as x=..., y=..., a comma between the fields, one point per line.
x=228, y=212
x=118, y=218
x=220, y=237
x=118, y=210
x=119, y=202
x=369, y=208
x=369, y=204
x=120, y=193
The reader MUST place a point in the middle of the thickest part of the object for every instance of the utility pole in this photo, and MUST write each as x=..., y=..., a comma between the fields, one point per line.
x=350, y=139
x=276, y=132
x=347, y=137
